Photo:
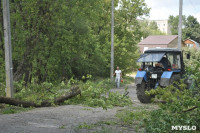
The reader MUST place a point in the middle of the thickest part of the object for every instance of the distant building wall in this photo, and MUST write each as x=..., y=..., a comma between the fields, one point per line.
x=144, y=47
x=173, y=44
x=191, y=44
x=159, y=41
x=163, y=26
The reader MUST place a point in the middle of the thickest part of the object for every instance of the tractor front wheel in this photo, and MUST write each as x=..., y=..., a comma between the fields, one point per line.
x=140, y=91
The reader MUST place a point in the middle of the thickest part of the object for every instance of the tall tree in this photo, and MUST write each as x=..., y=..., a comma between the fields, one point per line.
x=57, y=40
x=128, y=33
x=2, y=52
x=149, y=28
x=191, y=27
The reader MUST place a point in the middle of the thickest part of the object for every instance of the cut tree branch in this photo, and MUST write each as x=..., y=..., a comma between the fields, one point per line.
x=57, y=101
x=190, y=109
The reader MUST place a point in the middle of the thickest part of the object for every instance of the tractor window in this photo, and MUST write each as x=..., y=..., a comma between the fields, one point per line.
x=151, y=57
x=175, y=60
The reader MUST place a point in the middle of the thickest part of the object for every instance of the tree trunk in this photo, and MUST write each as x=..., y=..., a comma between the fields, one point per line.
x=11, y=101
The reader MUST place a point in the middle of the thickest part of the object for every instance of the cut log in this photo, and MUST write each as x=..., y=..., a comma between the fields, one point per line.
x=15, y=102
x=74, y=92
x=12, y=101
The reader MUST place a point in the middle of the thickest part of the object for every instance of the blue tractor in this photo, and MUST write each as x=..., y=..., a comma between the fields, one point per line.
x=159, y=67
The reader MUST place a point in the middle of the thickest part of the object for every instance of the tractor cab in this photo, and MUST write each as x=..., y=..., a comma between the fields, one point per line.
x=159, y=67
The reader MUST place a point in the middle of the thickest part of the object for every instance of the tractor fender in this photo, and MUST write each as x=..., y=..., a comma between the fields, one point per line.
x=165, y=78
x=140, y=76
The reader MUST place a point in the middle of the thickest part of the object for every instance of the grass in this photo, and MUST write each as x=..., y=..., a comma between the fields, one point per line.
x=127, y=80
x=109, y=126
x=133, y=117
x=85, y=126
x=62, y=127
x=9, y=109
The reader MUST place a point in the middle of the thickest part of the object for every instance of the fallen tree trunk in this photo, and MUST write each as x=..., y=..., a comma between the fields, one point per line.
x=15, y=102
x=74, y=92
x=59, y=100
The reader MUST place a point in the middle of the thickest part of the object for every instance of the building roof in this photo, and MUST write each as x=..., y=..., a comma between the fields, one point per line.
x=162, y=50
x=158, y=39
x=197, y=44
x=190, y=40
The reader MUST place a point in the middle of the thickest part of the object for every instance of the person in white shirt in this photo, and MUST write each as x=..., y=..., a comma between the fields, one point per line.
x=118, y=77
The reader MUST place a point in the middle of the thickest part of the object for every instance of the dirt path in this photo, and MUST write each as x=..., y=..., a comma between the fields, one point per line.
x=61, y=119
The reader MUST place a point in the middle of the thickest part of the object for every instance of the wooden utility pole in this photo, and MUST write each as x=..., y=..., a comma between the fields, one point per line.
x=8, y=49
x=180, y=25
x=112, y=42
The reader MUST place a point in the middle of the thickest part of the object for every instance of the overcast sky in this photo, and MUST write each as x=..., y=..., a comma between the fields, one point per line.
x=161, y=9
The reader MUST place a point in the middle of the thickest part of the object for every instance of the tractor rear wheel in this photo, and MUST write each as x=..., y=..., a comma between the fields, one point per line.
x=175, y=77
x=173, y=81
x=140, y=91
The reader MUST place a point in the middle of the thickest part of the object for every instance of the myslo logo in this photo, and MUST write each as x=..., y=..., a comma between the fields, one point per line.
x=184, y=128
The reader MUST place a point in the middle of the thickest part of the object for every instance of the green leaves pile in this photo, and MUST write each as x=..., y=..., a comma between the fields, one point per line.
x=98, y=94
x=93, y=93
x=182, y=107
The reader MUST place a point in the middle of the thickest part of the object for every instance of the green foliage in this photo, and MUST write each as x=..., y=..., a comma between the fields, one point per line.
x=193, y=66
x=191, y=27
x=130, y=117
x=55, y=40
x=182, y=105
x=9, y=109
x=97, y=94
x=127, y=33
x=149, y=28
x=182, y=108
x=173, y=21
x=93, y=93
x=85, y=125
x=38, y=93
x=174, y=112
x=99, y=127
x=2, y=89
x=62, y=127
x=133, y=117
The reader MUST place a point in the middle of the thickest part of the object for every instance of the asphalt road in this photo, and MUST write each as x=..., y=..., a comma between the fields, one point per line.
x=61, y=119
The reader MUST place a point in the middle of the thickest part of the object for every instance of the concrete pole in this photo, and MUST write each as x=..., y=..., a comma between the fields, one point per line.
x=180, y=25
x=112, y=42
x=8, y=49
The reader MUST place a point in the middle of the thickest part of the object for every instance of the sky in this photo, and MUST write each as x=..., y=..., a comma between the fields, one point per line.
x=162, y=9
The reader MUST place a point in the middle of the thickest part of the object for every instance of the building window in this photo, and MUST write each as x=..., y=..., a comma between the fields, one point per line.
x=145, y=48
x=190, y=45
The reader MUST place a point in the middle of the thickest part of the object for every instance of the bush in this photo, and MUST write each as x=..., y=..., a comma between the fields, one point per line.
x=182, y=105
